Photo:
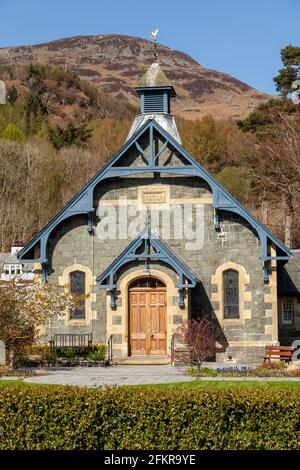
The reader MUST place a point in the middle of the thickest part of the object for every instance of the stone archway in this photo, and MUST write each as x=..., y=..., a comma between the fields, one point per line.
x=118, y=318
x=147, y=320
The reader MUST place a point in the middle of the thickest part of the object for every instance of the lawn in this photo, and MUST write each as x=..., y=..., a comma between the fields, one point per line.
x=226, y=383
x=197, y=383
x=18, y=383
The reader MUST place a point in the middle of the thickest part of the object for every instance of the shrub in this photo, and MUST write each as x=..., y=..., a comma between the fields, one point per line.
x=199, y=339
x=100, y=348
x=96, y=356
x=272, y=365
x=68, y=418
x=204, y=372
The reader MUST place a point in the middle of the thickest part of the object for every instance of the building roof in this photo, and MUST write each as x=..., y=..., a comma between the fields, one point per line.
x=8, y=258
x=154, y=77
x=289, y=275
x=82, y=202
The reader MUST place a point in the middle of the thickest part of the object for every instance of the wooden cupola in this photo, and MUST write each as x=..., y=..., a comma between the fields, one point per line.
x=155, y=91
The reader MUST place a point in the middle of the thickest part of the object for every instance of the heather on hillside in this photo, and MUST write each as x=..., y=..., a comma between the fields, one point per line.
x=57, y=131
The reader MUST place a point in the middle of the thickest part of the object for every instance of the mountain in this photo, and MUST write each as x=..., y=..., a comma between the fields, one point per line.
x=114, y=63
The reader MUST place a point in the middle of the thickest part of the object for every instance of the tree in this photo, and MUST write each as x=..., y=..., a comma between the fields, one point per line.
x=25, y=309
x=199, y=337
x=12, y=132
x=12, y=95
x=71, y=135
x=261, y=120
x=277, y=166
x=290, y=57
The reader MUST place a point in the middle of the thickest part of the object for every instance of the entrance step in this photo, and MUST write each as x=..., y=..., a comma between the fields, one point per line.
x=142, y=360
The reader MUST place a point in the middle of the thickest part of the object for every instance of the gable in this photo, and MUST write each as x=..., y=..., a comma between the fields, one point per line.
x=152, y=150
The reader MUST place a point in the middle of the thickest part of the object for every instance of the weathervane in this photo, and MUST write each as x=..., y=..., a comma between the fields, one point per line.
x=155, y=48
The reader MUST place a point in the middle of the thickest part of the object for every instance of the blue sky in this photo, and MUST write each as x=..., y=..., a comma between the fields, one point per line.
x=242, y=38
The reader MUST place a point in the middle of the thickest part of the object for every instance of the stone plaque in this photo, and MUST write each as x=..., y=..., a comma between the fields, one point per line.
x=153, y=197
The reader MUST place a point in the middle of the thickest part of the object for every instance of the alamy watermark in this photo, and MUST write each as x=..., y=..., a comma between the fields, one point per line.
x=124, y=221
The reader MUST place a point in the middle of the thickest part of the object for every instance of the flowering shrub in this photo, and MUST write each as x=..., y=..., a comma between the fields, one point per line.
x=244, y=371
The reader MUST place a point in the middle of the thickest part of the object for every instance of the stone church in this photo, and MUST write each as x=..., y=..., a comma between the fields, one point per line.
x=153, y=239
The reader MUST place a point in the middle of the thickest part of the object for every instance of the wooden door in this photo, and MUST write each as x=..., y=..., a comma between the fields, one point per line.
x=147, y=322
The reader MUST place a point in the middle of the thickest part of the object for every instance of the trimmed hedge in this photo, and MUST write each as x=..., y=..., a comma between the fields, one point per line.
x=57, y=417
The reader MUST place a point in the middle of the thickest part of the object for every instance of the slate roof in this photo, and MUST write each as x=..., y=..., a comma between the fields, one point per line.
x=8, y=258
x=154, y=77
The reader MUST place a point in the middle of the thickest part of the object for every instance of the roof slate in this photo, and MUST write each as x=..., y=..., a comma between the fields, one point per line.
x=154, y=77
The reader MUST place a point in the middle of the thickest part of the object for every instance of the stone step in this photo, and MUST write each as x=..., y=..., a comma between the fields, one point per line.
x=142, y=360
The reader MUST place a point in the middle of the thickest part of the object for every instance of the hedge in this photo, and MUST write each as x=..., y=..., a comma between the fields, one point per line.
x=58, y=417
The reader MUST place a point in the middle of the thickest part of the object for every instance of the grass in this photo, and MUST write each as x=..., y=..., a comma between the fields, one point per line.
x=226, y=384
x=197, y=383
x=18, y=383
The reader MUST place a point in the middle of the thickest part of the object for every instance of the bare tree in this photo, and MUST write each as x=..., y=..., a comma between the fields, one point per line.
x=199, y=338
x=277, y=166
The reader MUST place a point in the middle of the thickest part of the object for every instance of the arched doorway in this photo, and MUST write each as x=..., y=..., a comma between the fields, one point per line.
x=147, y=317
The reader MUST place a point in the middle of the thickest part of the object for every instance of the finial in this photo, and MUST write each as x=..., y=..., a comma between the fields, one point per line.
x=155, y=48
x=147, y=218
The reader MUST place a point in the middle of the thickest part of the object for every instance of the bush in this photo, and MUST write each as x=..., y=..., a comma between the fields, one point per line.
x=99, y=348
x=56, y=417
x=273, y=365
x=272, y=370
x=204, y=372
x=96, y=356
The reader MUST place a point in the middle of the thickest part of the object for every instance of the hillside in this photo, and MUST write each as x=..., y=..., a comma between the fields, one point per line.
x=114, y=63
x=57, y=95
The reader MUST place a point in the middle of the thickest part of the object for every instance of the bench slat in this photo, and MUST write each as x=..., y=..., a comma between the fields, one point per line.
x=280, y=348
x=278, y=353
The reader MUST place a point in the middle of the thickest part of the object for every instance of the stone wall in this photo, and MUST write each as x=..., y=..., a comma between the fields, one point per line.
x=71, y=244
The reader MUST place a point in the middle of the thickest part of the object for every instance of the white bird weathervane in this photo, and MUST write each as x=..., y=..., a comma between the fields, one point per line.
x=155, y=50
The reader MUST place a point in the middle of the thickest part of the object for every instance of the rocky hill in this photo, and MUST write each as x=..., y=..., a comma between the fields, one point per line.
x=114, y=63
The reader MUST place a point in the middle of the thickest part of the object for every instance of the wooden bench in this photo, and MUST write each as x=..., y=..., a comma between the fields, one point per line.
x=72, y=341
x=284, y=353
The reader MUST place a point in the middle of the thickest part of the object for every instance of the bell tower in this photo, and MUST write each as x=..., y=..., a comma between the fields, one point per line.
x=156, y=93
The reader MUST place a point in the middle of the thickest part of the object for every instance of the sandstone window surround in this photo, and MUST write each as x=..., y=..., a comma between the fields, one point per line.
x=64, y=280
x=243, y=295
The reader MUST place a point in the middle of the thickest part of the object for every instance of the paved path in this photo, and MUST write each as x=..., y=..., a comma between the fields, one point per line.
x=132, y=375
x=115, y=375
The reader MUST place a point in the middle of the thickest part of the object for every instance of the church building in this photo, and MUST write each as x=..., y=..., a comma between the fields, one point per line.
x=153, y=239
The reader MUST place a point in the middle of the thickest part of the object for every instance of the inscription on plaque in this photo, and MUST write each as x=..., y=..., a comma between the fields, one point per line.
x=153, y=197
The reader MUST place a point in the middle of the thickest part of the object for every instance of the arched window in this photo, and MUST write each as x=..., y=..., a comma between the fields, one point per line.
x=77, y=287
x=147, y=282
x=231, y=294
x=287, y=315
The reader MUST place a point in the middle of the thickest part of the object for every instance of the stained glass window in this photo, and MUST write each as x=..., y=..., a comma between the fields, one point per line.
x=231, y=294
x=77, y=287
